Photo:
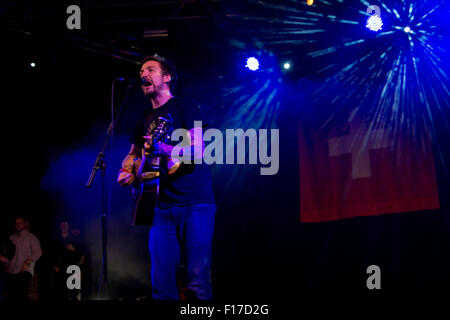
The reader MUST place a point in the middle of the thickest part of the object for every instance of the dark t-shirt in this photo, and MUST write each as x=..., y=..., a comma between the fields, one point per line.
x=191, y=183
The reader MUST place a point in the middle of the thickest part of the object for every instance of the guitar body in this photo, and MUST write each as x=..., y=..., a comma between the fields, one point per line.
x=145, y=196
x=145, y=189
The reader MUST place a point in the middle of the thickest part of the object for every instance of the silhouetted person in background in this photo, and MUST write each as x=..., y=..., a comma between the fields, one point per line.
x=69, y=249
x=78, y=255
x=59, y=262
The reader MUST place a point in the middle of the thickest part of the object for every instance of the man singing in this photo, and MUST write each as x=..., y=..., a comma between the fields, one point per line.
x=183, y=223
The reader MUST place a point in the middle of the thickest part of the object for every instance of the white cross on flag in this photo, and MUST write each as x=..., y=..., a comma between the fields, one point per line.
x=365, y=170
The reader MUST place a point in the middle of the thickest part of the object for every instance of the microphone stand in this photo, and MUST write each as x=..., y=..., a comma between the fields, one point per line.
x=100, y=164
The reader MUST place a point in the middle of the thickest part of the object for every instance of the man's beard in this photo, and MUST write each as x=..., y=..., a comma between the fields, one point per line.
x=150, y=94
x=154, y=92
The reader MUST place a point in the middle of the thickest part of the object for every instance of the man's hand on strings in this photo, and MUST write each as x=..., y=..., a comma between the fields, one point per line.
x=159, y=149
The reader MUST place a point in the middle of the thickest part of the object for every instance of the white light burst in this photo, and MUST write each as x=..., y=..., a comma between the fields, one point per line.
x=374, y=23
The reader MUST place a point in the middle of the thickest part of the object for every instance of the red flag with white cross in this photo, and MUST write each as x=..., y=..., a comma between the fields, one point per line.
x=364, y=169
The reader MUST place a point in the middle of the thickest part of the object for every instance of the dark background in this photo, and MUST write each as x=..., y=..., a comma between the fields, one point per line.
x=56, y=115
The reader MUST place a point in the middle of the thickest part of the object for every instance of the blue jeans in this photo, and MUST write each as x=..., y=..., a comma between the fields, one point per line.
x=181, y=231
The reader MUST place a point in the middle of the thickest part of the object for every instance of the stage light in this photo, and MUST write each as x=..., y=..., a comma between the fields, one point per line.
x=407, y=29
x=310, y=2
x=32, y=64
x=374, y=23
x=286, y=65
x=252, y=63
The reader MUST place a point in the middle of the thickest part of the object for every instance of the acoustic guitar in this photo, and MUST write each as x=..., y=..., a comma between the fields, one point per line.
x=145, y=188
